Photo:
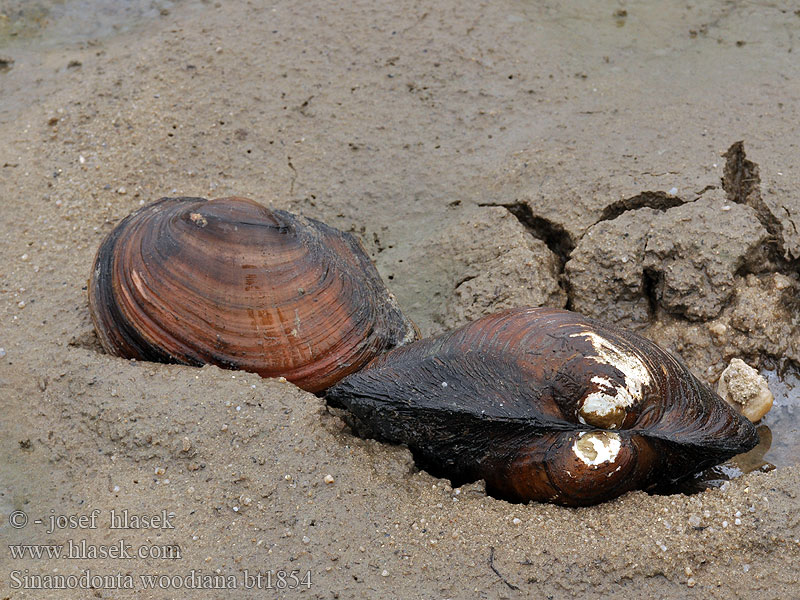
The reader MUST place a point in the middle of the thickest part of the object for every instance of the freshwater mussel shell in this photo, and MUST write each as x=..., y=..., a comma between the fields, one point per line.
x=545, y=404
x=232, y=283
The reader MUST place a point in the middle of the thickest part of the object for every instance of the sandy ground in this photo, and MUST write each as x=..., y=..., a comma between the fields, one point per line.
x=489, y=155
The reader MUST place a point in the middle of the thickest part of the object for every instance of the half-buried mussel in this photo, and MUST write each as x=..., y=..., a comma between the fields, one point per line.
x=232, y=283
x=545, y=405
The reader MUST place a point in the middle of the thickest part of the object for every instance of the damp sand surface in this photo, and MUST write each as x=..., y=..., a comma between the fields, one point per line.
x=477, y=150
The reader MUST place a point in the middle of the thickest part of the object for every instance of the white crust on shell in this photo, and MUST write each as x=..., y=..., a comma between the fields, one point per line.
x=597, y=447
x=611, y=397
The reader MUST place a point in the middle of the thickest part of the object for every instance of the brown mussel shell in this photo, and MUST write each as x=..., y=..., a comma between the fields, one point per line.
x=545, y=405
x=232, y=283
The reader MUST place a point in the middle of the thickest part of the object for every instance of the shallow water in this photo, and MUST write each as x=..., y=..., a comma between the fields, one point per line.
x=783, y=418
x=50, y=23
x=779, y=444
x=41, y=40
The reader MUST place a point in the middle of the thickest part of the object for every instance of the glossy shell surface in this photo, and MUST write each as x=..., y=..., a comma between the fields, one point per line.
x=545, y=405
x=232, y=283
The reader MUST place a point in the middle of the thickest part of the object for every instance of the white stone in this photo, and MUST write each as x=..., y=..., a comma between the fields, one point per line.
x=745, y=389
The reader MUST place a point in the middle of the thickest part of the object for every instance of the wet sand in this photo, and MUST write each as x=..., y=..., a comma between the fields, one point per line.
x=488, y=155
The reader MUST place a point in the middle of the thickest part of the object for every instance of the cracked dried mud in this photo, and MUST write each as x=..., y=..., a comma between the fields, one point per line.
x=638, y=164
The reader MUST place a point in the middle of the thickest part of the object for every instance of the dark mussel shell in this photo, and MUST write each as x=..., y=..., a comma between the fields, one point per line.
x=545, y=405
x=232, y=283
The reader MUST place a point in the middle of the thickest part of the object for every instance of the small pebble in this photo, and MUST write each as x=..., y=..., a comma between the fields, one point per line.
x=782, y=282
x=2, y=352
x=306, y=539
x=673, y=191
x=691, y=582
x=328, y=479
x=516, y=520
x=122, y=191
x=160, y=470
x=745, y=389
x=718, y=329
x=384, y=573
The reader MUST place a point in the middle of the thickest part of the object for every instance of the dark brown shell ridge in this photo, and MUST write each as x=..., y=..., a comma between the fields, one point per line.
x=517, y=398
x=233, y=283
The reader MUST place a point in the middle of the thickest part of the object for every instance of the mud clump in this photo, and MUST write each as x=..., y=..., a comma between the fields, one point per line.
x=707, y=278
x=694, y=252
x=483, y=263
x=669, y=258
x=606, y=271
x=778, y=210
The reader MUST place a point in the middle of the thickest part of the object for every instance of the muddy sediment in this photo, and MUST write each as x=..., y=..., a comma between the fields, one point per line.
x=638, y=167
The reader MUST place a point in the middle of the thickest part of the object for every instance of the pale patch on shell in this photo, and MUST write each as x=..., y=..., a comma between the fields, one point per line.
x=606, y=406
x=597, y=447
x=139, y=284
x=198, y=219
